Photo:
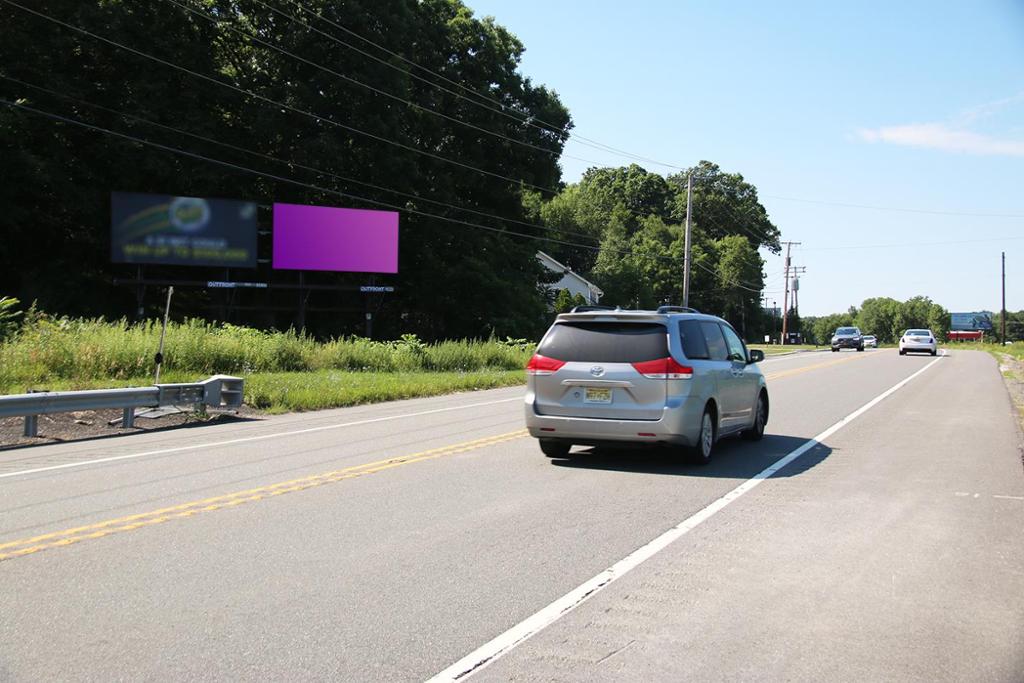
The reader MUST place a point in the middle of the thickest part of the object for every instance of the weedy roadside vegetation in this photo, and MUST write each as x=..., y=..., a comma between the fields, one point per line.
x=283, y=370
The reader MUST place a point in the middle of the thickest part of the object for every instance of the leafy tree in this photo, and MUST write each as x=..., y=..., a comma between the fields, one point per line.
x=1014, y=325
x=563, y=302
x=9, y=315
x=740, y=280
x=454, y=280
x=879, y=317
x=724, y=204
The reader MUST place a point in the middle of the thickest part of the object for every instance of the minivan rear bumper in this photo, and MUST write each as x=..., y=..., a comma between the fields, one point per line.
x=679, y=425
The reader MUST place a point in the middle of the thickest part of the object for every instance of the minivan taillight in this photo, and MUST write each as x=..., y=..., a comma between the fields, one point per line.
x=542, y=365
x=663, y=368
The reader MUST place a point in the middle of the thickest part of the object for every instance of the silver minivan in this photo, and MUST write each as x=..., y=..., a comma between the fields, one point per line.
x=673, y=376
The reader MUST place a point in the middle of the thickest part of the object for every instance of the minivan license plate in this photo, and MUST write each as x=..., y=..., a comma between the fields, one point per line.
x=595, y=395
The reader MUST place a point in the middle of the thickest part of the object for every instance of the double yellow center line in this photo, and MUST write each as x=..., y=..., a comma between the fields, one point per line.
x=58, y=539
x=816, y=366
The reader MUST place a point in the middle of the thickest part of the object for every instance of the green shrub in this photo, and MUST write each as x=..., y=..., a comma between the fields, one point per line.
x=9, y=315
x=47, y=349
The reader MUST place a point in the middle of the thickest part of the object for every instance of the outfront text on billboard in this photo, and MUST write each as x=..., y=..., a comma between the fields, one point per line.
x=182, y=231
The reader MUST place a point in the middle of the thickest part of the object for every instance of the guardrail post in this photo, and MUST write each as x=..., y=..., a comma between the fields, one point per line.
x=31, y=425
x=129, y=418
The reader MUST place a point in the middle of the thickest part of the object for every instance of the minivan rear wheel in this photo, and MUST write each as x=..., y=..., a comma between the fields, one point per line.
x=700, y=453
x=554, y=449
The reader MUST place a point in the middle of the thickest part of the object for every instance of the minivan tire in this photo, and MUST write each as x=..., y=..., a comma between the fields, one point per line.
x=700, y=453
x=756, y=432
x=554, y=449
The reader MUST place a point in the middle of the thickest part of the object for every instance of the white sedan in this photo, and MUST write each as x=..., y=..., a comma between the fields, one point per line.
x=918, y=341
x=870, y=340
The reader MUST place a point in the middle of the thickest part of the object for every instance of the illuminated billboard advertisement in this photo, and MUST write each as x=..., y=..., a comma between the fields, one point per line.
x=182, y=231
x=970, y=321
x=333, y=239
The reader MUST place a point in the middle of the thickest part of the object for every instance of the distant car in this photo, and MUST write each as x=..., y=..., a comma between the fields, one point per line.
x=847, y=338
x=870, y=340
x=918, y=341
x=673, y=376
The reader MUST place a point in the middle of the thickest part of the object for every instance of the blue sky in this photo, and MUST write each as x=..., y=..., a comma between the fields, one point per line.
x=911, y=105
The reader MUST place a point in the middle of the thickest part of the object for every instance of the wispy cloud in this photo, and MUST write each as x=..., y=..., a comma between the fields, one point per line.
x=956, y=136
x=983, y=111
x=943, y=137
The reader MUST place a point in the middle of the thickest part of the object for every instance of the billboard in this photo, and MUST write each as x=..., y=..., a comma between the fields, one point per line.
x=971, y=321
x=333, y=239
x=182, y=231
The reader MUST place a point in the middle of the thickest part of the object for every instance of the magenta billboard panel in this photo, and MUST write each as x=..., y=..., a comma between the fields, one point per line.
x=329, y=238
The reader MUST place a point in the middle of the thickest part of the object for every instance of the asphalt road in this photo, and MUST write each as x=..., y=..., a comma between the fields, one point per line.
x=389, y=542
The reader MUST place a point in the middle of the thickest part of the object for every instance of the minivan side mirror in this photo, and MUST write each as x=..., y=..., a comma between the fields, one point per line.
x=756, y=356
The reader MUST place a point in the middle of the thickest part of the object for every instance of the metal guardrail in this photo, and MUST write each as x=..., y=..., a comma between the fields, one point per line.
x=220, y=391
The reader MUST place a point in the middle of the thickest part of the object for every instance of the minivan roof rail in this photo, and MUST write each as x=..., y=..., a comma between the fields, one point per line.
x=593, y=307
x=677, y=309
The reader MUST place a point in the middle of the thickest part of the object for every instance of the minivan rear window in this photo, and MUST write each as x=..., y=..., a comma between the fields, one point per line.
x=605, y=342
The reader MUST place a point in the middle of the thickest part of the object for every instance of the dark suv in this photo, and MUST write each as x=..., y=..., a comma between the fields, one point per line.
x=847, y=338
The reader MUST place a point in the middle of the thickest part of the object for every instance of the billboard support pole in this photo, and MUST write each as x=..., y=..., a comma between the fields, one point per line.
x=302, y=302
x=368, y=299
x=140, y=295
x=229, y=294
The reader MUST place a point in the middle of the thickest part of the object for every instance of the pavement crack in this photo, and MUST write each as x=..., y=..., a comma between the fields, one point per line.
x=615, y=652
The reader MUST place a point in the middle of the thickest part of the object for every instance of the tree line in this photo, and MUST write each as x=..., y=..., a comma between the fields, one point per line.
x=467, y=147
x=884, y=317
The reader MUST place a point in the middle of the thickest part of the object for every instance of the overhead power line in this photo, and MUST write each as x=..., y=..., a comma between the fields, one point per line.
x=289, y=162
x=295, y=109
x=348, y=79
x=528, y=119
x=292, y=181
x=282, y=105
x=934, y=212
x=277, y=103
x=279, y=178
x=914, y=244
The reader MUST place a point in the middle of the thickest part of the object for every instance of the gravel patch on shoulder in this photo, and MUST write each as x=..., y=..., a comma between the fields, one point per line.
x=92, y=424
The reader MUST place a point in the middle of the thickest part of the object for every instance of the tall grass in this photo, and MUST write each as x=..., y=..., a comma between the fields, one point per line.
x=85, y=351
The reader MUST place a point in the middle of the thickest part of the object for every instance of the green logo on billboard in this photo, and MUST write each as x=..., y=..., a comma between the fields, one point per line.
x=189, y=214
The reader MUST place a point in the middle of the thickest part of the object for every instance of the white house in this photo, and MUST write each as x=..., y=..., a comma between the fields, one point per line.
x=574, y=282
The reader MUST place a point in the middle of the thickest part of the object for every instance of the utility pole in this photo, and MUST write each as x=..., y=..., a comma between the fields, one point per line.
x=764, y=307
x=785, y=296
x=686, y=255
x=774, y=303
x=1003, y=316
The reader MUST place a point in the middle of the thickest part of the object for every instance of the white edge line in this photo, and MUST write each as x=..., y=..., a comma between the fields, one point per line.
x=247, y=439
x=502, y=644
